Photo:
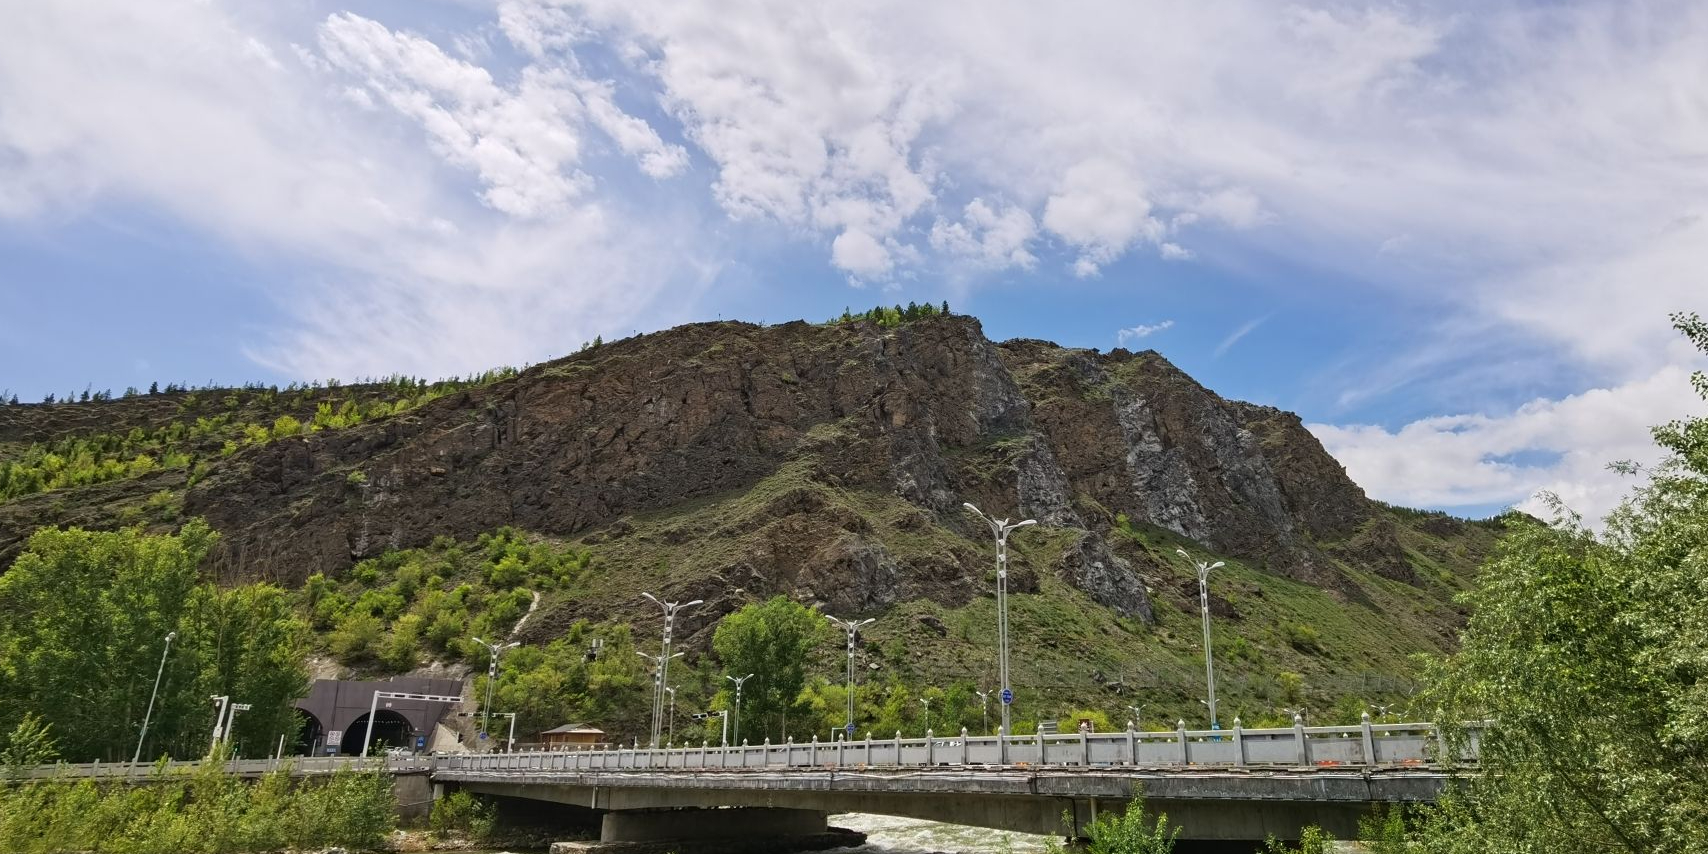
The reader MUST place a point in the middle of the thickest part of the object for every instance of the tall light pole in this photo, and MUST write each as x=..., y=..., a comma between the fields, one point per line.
x=984, y=706
x=1000, y=529
x=231, y=717
x=670, y=609
x=660, y=663
x=927, y=702
x=1204, y=609
x=1138, y=715
x=852, y=627
x=738, y=683
x=491, y=678
x=170, y=636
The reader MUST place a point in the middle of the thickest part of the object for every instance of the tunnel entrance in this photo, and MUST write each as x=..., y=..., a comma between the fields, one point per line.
x=390, y=730
x=311, y=736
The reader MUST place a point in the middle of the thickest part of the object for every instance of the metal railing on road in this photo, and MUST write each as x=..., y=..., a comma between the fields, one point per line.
x=302, y=766
x=1365, y=745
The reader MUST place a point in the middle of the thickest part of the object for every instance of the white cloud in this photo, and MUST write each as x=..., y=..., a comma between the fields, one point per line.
x=1235, y=336
x=189, y=117
x=1560, y=446
x=1141, y=331
x=992, y=237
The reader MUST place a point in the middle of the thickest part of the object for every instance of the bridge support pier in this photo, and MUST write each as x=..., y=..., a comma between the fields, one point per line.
x=755, y=823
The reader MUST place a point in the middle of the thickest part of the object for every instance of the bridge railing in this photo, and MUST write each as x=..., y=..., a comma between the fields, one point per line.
x=299, y=766
x=1366, y=745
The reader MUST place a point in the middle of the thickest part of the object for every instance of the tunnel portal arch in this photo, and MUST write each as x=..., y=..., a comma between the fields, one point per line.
x=391, y=729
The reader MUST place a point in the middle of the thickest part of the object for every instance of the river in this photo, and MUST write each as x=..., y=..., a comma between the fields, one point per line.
x=892, y=835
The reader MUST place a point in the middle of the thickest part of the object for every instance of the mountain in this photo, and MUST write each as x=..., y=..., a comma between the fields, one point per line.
x=827, y=462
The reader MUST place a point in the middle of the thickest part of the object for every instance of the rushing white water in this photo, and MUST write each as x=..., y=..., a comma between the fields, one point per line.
x=892, y=835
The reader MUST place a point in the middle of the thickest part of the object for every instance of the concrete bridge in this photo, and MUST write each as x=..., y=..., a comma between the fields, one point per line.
x=1236, y=785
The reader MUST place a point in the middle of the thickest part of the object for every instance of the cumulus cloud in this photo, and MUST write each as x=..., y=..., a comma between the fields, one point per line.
x=300, y=164
x=1560, y=446
x=1142, y=331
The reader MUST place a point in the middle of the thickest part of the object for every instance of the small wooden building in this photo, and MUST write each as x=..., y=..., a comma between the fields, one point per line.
x=573, y=737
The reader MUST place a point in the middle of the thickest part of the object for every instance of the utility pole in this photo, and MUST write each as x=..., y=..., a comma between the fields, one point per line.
x=670, y=609
x=738, y=683
x=170, y=636
x=852, y=627
x=491, y=679
x=1000, y=529
x=1204, y=609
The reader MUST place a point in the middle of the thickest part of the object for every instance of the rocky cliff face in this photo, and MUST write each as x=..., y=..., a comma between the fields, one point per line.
x=917, y=419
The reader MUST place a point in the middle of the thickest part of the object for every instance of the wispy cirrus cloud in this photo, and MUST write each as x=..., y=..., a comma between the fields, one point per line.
x=1235, y=336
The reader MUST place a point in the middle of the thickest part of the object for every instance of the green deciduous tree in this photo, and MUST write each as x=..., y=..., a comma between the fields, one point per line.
x=770, y=640
x=1589, y=655
x=87, y=616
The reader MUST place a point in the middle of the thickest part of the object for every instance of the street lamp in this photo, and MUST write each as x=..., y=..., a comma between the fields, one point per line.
x=1138, y=715
x=1204, y=609
x=1380, y=709
x=491, y=679
x=170, y=636
x=1000, y=529
x=852, y=627
x=927, y=702
x=738, y=684
x=670, y=609
x=984, y=706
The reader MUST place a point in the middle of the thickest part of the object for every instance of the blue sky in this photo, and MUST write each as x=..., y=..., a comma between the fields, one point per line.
x=1448, y=235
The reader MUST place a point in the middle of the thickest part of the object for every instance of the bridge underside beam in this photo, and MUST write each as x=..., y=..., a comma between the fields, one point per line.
x=1229, y=818
x=678, y=825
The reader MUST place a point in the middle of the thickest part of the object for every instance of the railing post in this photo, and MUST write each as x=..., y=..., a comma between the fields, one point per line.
x=1369, y=741
x=1299, y=736
x=1132, y=745
x=1239, y=743
x=898, y=748
x=812, y=752
x=1185, y=751
x=765, y=753
x=866, y=759
x=744, y=753
x=1085, y=747
x=1043, y=752
x=930, y=748
x=966, y=748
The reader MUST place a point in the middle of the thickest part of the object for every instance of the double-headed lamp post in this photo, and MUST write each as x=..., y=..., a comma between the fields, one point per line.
x=852, y=627
x=1204, y=609
x=170, y=637
x=491, y=677
x=739, y=681
x=670, y=609
x=1000, y=529
x=984, y=707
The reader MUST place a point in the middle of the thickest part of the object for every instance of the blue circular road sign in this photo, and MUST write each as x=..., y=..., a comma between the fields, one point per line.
x=1007, y=696
x=849, y=729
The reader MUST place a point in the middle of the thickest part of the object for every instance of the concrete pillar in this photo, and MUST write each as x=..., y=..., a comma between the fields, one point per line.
x=673, y=825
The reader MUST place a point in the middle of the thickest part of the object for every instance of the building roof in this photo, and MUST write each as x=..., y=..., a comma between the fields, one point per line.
x=569, y=728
